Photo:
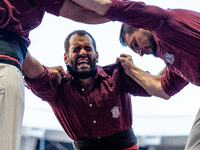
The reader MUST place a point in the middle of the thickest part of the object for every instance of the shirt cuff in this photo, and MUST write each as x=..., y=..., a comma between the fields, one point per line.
x=172, y=84
x=39, y=81
x=113, y=9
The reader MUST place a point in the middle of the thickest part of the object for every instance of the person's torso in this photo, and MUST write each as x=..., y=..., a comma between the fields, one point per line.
x=102, y=111
x=19, y=17
x=178, y=43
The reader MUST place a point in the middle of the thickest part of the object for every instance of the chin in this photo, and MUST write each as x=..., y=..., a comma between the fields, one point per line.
x=84, y=69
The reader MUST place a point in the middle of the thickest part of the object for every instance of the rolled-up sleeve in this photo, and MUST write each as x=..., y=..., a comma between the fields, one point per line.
x=50, y=6
x=137, y=14
x=172, y=83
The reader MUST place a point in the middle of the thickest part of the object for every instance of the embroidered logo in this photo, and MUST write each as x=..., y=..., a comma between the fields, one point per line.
x=115, y=112
x=168, y=58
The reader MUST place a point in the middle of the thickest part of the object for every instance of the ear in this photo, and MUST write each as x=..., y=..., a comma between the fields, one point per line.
x=65, y=58
x=97, y=56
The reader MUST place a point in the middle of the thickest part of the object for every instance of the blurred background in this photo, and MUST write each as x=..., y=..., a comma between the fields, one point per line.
x=158, y=124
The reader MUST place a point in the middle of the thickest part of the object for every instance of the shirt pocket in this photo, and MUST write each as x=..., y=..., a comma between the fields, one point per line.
x=110, y=108
x=108, y=115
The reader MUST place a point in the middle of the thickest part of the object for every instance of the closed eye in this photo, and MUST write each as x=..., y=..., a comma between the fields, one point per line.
x=132, y=47
x=88, y=48
x=136, y=44
x=76, y=49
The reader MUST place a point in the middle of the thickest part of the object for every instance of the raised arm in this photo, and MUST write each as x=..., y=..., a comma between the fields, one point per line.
x=31, y=67
x=152, y=84
x=80, y=14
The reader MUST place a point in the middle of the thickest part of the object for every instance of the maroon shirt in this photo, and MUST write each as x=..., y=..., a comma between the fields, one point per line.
x=105, y=109
x=177, y=34
x=22, y=16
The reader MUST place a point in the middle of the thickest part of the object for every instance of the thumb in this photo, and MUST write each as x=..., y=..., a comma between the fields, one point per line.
x=119, y=59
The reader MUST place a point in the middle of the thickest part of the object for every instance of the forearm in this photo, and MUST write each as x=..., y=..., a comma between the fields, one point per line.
x=152, y=84
x=31, y=67
x=77, y=13
x=98, y=6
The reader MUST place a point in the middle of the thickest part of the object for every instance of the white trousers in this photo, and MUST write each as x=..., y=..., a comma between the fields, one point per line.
x=11, y=107
x=193, y=142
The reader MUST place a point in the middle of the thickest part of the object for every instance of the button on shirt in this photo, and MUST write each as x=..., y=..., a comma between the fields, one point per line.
x=103, y=110
x=176, y=32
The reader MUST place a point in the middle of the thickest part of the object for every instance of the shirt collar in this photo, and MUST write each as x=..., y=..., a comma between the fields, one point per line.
x=100, y=72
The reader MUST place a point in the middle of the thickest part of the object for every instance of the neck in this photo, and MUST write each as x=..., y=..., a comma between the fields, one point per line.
x=87, y=83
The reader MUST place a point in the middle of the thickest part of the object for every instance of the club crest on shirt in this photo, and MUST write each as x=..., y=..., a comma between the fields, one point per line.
x=168, y=58
x=115, y=112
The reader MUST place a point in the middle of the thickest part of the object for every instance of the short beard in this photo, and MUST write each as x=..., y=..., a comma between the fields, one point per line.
x=82, y=75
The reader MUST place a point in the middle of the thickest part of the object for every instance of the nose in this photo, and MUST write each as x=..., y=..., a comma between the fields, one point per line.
x=82, y=52
x=140, y=52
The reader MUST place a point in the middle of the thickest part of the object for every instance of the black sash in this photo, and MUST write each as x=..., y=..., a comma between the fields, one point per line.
x=119, y=141
x=14, y=46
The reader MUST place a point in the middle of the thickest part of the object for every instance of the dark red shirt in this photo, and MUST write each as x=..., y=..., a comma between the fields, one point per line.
x=22, y=16
x=105, y=109
x=177, y=34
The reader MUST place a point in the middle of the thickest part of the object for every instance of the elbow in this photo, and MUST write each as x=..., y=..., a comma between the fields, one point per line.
x=163, y=96
x=159, y=93
x=167, y=97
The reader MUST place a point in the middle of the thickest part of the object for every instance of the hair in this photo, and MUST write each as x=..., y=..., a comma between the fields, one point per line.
x=125, y=29
x=80, y=33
